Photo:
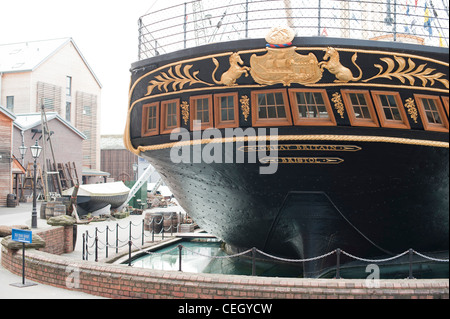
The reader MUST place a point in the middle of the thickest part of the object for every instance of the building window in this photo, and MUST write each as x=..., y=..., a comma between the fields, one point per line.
x=87, y=110
x=48, y=103
x=390, y=109
x=311, y=107
x=359, y=108
x=150, y=121
x=68, y=111
x=170, y=115
x=10, y=103
x=68, y=86
x=226, y=110
x=270, y=108
x=201, y=110
x=431, y=112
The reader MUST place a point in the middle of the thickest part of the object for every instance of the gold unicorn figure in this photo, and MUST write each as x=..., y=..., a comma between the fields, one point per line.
x=335, y=67
x=235, y=71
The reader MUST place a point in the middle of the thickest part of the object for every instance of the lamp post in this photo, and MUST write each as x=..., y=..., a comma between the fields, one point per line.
x=23, y=151
x=35, y=152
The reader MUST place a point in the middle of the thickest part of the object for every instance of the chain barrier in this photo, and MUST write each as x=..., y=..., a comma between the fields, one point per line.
x=97, y=245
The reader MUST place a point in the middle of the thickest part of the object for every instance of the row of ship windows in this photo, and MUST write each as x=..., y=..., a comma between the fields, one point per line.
x=310, y=107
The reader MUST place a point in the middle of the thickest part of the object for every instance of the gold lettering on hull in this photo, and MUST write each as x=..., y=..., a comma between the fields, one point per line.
x=302, y=160
x=284, y=65
x=300, y=147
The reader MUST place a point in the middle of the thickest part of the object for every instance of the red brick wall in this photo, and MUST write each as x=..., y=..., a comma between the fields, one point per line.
x=5, y=162
x=58, y=240
x=121, y=281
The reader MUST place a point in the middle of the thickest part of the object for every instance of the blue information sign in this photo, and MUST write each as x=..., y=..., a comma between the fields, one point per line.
x=22, y=236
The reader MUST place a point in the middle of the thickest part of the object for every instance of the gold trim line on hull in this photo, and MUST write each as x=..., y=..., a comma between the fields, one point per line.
x=340, y=138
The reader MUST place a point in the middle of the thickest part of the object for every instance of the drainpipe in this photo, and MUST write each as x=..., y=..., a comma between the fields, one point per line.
x=1, y=77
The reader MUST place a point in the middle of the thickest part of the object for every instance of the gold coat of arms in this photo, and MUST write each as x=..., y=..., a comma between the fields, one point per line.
x=284, y=65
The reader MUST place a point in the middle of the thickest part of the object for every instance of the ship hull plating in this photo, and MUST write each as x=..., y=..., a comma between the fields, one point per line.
x=371, y=203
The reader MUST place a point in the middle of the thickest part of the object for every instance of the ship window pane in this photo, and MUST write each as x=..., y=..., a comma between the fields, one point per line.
x=384, y=101
x=201, y=110
x=270, y=108
x=270, y=99
x=226, y=108
x=150, y=119
x=313, y=102
x=279, y=98
x=170, y=116
x=390, y=109
x=359, y=108
x=396, y=114
x=262, y=113
x=311, y=107
x=281, y=112
x=388, y=114
x=432, y=113
x=365, y=113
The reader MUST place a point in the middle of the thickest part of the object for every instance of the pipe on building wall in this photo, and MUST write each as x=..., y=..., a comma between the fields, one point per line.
x=1, y=78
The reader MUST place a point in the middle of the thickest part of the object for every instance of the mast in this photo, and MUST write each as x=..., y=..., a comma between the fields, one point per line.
x=288, y=8
x=345, y=19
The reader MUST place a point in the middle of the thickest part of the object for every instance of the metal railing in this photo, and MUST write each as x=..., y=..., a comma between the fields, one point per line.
x=198, y=22
x=92, y=244
x=97, y=245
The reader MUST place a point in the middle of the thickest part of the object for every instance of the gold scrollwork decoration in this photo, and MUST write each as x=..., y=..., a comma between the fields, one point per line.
x=408, y=71
x=176, y=77
x=338, y=105
x=412, y=110
x=245, y=106
x=185, y=111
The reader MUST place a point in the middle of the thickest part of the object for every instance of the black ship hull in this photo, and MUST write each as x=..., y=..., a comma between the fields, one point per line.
x=373, y=203
x=371, y=190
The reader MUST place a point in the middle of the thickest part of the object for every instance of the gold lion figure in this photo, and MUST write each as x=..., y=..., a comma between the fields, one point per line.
x=235, y=71
x=335, y=67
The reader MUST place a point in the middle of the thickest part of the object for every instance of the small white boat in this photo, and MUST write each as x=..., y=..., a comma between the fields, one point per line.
x=92, y=197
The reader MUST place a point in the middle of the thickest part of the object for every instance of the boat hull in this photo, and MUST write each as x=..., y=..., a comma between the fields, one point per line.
x=91, y=204
x=371, y=203
x=369, y=185
x=93, y=197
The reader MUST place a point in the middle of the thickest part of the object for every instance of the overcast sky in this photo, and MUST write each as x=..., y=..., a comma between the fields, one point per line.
x=105, y=31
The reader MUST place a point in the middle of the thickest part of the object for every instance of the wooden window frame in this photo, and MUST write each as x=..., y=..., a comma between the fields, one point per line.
x=404, y=123
x=427, y=125
x=145, y=130
x=257, y=122
x=354, y=121
x=164, y=129
x=193, y=110
x=219, y=123
x=331, y=121
x=445, y=102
